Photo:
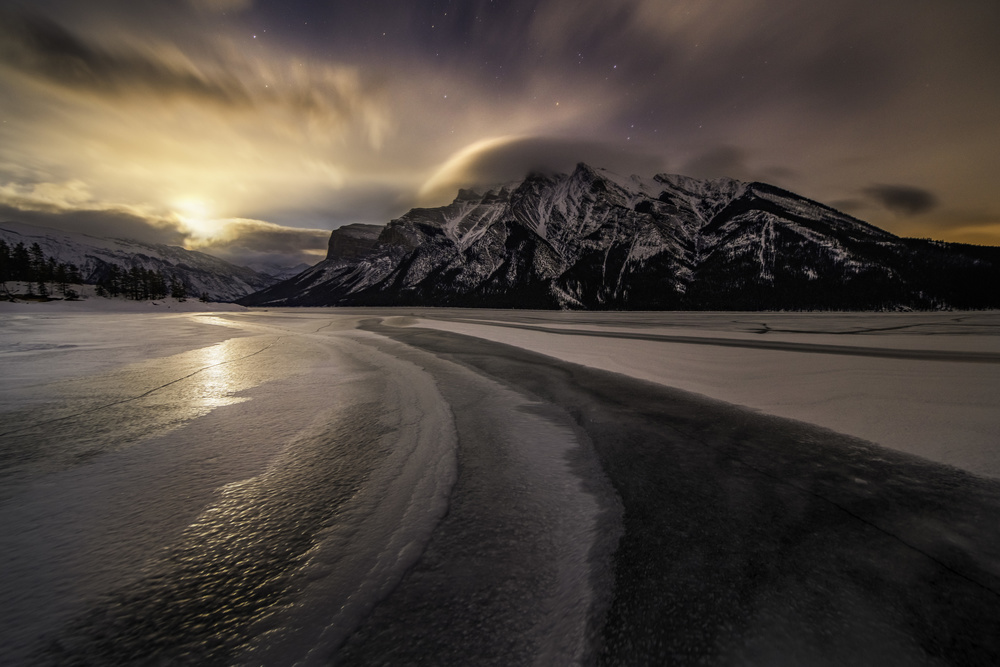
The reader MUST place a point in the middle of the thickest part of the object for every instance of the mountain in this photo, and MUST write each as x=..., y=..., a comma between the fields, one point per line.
x=277, y=271
x=200, y=273
x=596, y=240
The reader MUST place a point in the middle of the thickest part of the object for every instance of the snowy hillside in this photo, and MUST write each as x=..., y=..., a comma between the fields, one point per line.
x=200, y=273
x=597, y=240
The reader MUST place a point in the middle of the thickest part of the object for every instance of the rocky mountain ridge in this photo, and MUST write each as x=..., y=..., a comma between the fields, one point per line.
x=596, y=240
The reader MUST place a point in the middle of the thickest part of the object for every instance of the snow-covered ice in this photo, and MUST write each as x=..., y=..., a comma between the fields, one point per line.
x=947, y=411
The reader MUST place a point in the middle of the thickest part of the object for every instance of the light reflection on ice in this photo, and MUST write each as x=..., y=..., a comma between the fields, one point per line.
x=69, y=422
x=217, y=382
x=217, y=321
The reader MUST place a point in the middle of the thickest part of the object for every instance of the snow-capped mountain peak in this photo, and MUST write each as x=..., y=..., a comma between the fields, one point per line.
x=596, y=239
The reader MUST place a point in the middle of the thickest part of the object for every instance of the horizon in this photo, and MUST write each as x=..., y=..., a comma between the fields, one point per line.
x=476, y=189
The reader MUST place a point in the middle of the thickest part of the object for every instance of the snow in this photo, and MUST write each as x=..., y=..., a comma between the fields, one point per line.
x=199, y=271
x=465, y=222
x=946, y=411
x=89, y=302
x=637, y=187
x=695, y=229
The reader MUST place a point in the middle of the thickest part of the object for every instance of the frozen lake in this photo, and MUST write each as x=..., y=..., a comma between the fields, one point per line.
x=456, y=487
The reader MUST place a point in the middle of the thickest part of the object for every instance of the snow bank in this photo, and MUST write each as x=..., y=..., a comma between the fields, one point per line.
x=91, y=303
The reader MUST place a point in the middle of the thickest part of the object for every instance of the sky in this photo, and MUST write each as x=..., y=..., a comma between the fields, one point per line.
x=250, y=128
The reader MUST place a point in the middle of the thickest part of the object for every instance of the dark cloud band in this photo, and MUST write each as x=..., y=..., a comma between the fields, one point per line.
x=42, y=48
x=903, y=199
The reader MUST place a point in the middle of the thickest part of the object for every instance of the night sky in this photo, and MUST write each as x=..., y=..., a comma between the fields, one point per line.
x=249, y=129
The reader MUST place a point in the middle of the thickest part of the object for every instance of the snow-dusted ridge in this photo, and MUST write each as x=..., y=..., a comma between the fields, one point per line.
x=201, y=273
x=594, y=239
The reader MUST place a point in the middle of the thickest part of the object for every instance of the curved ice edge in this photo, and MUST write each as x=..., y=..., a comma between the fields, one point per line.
x=384, y=529
x=587, y=529
x=558, y=467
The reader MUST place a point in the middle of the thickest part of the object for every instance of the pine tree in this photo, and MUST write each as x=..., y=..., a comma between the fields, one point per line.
x=20, y=263
x=160, y=284
x=111, y=282
x=61, y=278
x=177, y=288
x=38, y=263
x=5, y=263
x=133, y=286
x=114, y=280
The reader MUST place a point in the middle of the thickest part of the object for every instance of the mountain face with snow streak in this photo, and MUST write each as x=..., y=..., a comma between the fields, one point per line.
x=596, y=240
x=200, y=273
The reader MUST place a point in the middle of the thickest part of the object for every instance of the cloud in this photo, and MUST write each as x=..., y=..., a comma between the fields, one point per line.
x=71, y=205
x=852, y=206
x=253, y=234
x=904, y=200
x=980, y=226
x=43, y=49
x=240, y=241
x=372, y=203
x=734, y=162
x=723, y=161
x=106, y=135
x=61, y=201
x=221, y=6
x=504, y=159
x=109, y=223
x=256, y=242
x=323, y=99
x=984, y=234
x=45, y=196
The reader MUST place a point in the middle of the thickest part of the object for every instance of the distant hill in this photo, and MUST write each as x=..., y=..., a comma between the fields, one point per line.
x=596, y=240
x=199, y=272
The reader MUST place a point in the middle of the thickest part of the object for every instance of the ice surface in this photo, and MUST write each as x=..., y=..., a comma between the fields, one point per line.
x=147, y=455
x=942, y=410
x=140, y=453
x=278, y=487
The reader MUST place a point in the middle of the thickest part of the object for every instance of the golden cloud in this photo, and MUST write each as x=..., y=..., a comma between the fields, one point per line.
x=142, y=126
x=504, y=159
x=460, y=170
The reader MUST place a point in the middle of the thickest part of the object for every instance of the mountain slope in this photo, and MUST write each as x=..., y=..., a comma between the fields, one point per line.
x=593, y=239
x=200, y=273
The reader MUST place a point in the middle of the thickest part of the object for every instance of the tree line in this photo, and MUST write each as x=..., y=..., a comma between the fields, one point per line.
x=39, y=272
x=44, y=275
x=139, y=284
